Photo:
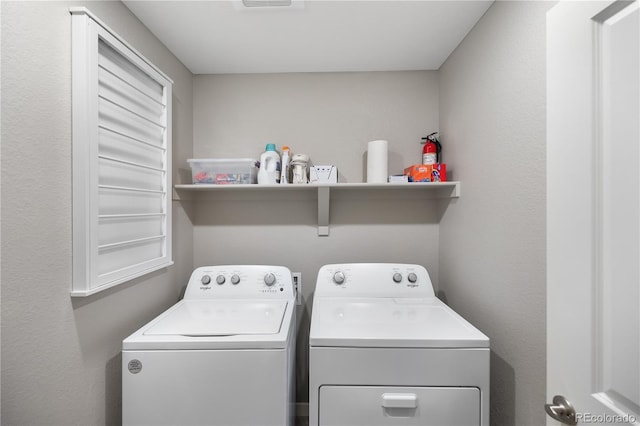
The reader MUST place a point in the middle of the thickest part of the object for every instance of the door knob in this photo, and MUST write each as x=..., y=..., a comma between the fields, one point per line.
x=561, y=410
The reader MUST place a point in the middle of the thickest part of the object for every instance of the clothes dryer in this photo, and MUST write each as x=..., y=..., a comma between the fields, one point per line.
x=222, y=356
x=385, y=351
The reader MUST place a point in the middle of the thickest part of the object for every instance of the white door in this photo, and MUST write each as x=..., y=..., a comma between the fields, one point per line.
x=593, y=211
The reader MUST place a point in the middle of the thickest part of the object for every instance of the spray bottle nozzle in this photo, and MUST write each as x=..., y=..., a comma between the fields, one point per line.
x=431, y=137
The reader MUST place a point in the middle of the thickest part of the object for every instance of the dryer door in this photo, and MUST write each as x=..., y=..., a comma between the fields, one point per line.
x=385, y=405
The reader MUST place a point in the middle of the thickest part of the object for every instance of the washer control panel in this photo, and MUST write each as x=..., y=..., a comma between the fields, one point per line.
x=240, y=281
x=374, y=279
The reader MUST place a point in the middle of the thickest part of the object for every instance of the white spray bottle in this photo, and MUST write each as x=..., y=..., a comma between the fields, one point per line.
x=284, y=165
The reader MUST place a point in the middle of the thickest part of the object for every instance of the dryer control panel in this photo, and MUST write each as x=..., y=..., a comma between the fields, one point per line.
x=240, y=282
x=374, y=280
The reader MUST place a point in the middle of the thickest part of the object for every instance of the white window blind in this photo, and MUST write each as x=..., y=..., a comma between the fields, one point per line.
x=121, y=160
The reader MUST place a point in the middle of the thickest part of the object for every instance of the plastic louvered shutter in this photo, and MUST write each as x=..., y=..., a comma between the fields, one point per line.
x=125, y=120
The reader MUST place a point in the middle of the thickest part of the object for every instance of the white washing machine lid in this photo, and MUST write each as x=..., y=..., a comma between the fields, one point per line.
x=390, y=322
x=217, y=324
x=221, y=318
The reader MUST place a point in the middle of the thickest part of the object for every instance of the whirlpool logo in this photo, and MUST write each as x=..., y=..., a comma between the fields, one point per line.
x=134, y=366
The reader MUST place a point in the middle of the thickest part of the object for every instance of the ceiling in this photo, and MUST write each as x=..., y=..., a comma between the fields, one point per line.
x=224, y=36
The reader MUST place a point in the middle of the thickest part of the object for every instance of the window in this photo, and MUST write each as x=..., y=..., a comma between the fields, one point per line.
x=121, y=159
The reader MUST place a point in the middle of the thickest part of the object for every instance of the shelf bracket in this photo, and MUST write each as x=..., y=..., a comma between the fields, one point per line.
x=323, y=211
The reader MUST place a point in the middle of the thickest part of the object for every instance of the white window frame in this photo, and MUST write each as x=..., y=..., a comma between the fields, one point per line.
x=89, y=275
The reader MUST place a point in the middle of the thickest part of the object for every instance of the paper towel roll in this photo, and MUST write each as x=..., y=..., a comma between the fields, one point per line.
x=377, y=162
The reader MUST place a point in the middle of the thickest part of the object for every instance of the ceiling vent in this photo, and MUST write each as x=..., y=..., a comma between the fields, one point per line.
x=267, y=3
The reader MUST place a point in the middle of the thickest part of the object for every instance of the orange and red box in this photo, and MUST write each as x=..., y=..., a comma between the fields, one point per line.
x=427, y=173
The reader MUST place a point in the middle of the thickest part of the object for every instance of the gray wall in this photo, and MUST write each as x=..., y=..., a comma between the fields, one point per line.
x=61, y=356
x=492, y=241
x=331, y=117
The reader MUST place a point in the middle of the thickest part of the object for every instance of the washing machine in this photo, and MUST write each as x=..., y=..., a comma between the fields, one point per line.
x=223, y=355
x=383, y=350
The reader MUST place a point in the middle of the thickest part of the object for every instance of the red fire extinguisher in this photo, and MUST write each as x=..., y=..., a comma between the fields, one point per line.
x=431, y=150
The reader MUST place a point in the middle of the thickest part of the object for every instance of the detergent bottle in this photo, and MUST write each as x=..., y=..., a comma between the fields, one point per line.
x=269, y=172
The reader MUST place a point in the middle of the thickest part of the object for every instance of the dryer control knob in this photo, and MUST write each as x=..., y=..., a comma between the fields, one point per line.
x=269, y=279
x=235, y=279
x=206, y=279
x=338, y=277
x=220, y=279
x=412, y=277
x=397, y=277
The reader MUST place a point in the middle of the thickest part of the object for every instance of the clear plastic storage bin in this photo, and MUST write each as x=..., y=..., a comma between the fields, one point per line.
x=223, y=171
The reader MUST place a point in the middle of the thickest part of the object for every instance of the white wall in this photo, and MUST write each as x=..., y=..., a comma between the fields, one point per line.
x=61, y=356
x=492, y=241
x=331, y=117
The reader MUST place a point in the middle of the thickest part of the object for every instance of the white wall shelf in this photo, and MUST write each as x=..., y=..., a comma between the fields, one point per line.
x=432, y=189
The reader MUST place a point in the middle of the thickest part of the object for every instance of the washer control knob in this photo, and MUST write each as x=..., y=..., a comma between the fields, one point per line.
x=269, y=279
x=220, y=279
x=338, y=277
x=235, y=279
x=397, y=277
x=205, y=280
x=412, y=277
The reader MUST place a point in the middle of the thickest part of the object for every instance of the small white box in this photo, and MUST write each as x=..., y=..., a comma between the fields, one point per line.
x=398, y=179
x=223, y=171
x=323, y=174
